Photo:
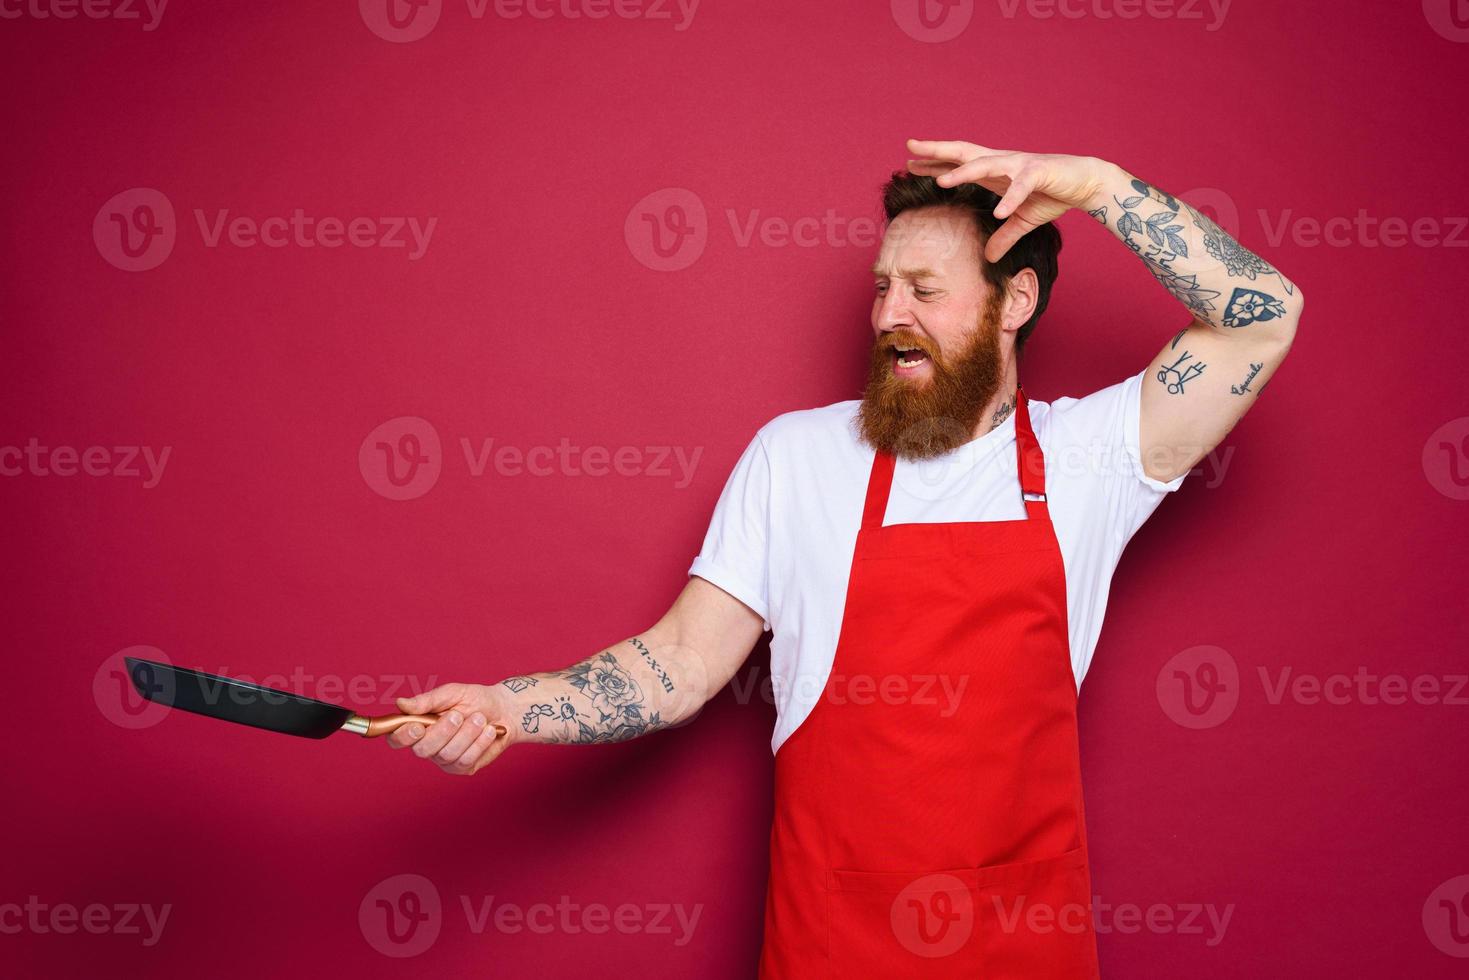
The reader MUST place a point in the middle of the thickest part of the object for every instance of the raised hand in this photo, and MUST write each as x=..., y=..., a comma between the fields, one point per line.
x=1034, y=188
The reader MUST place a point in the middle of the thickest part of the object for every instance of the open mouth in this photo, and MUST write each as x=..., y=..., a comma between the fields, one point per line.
x=908, y=357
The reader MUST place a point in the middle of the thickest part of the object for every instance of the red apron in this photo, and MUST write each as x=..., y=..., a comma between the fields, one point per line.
x=925, y=830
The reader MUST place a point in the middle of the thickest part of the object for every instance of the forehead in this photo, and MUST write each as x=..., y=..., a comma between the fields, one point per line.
x=939, y=241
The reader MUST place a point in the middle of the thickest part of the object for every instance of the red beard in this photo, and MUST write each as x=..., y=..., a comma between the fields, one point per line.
x=926, y=419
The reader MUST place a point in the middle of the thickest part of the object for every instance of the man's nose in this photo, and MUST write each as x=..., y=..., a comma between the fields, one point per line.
x=893, y=312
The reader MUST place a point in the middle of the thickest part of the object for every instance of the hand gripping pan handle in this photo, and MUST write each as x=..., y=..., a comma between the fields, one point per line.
x=244, y=703
x=387, y=724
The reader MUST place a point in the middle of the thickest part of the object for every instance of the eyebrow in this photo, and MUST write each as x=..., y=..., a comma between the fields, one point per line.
x=921, y=272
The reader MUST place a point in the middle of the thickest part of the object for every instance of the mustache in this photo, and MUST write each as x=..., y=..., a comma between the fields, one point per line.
x=903, y=338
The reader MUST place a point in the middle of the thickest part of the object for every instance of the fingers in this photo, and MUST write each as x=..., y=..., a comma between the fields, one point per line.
x=1005, y=236
x=484, y=750
x=438, y=734
x=460, y=742
x=433, y=700
x=1021, y=186
x=956, y=151
x=983, y=170
x=463, y=746
x=404, y=736
x=930, y=168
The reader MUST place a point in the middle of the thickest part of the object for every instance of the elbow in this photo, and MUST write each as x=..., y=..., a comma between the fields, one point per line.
x=1284, y=332
x=1297, y=306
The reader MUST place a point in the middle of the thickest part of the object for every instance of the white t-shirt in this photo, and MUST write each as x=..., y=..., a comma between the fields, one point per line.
x=785, y=527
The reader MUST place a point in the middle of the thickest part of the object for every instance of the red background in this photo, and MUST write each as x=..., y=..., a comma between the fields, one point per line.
x=530, y=319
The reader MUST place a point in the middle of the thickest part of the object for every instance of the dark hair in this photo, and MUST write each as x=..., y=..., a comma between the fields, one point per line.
x=1037, y=250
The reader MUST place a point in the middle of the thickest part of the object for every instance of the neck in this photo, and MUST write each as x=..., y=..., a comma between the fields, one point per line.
x=1001, y=406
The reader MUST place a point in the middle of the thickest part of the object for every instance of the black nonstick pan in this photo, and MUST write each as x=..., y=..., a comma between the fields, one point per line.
x=259, y=707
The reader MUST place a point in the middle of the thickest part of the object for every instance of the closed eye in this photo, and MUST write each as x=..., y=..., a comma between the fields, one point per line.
x=918, y=291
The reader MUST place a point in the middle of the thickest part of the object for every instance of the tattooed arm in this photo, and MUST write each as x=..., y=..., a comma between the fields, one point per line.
x=1244, y=320
x=1244, y=312
x=659, y=678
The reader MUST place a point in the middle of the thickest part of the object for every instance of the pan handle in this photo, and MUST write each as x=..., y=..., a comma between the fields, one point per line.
x=384, y=724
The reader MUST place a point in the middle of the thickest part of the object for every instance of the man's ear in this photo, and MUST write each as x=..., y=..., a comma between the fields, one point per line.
x=1022, y=293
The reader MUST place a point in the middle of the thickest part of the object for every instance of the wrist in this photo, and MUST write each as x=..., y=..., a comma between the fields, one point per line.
x=1106, y=179
x=508, y=707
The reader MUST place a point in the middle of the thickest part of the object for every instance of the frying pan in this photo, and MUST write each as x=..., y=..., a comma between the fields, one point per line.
x=260, y=707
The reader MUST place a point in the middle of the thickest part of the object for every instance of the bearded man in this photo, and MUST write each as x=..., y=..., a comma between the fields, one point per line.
x=933, y=562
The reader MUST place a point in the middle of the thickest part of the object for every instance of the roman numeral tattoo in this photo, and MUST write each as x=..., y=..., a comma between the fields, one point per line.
x=653, y=664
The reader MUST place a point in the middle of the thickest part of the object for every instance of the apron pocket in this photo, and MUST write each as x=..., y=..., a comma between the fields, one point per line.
x=1029, y=921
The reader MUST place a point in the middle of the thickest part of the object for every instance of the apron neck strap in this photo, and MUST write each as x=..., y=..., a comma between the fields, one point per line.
x=1030, y=461
x=878, y=485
